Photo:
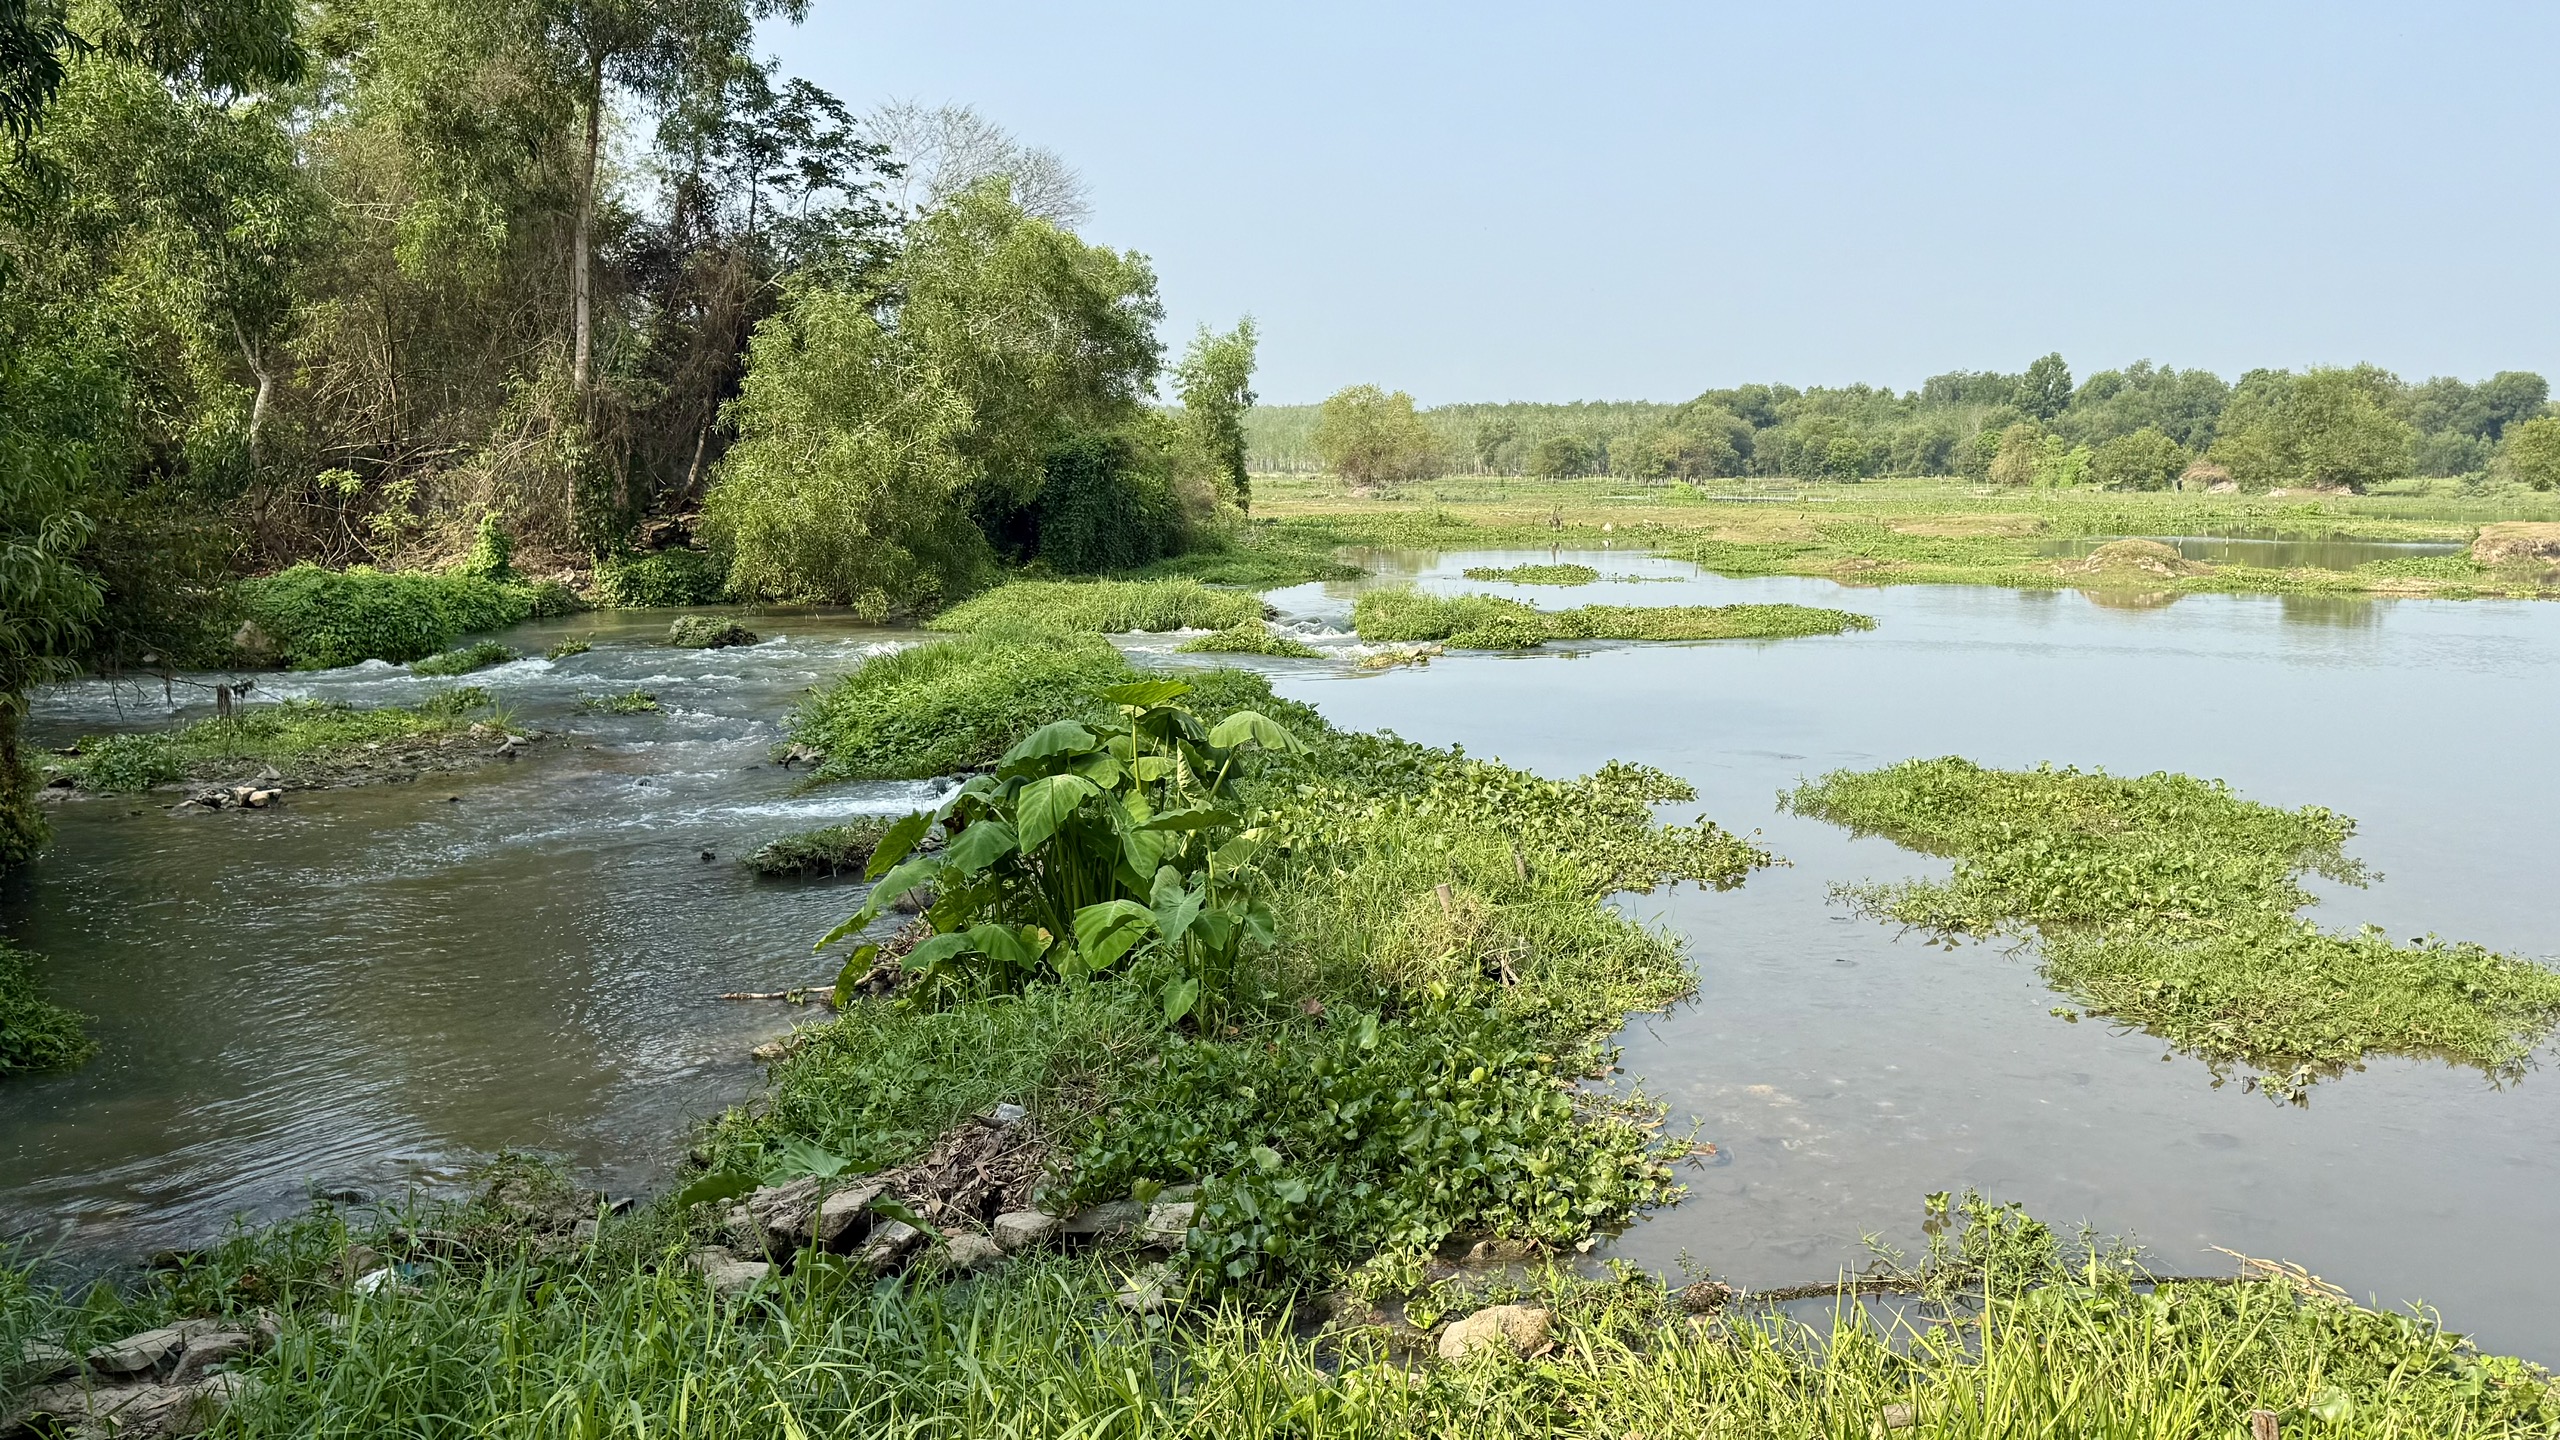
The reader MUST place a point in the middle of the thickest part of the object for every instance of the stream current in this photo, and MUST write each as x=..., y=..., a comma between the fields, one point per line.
x=375, y=988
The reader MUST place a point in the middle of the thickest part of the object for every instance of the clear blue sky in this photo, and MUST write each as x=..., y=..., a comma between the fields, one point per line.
x=1617, y=201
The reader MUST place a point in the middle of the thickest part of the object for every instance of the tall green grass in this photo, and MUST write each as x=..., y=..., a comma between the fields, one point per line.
x=35, y=1033
x=1102, y=607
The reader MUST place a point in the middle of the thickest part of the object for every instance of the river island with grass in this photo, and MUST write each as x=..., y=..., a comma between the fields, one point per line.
x=679, y=779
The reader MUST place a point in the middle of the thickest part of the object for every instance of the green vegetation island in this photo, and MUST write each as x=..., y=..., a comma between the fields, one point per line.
x=1186, y=1063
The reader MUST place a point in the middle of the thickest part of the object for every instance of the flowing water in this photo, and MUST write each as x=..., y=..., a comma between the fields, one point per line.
x=375, y=987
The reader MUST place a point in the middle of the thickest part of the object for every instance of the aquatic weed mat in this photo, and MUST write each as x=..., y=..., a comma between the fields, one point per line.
x=2168, y=902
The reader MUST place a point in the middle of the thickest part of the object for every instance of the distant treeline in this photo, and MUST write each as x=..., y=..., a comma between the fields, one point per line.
x=2138, y=427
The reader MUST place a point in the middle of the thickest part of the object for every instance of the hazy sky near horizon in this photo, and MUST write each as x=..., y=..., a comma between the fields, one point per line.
x=1500, y=201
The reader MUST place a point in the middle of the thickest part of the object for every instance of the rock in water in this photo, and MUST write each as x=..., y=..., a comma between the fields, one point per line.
x=1521, y=1327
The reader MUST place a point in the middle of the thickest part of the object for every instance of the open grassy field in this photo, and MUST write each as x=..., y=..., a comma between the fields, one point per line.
x=1899, y=532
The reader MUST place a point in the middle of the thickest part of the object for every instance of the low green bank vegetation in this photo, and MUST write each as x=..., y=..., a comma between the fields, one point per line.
x=465, y=660
x=829, y=850
x=2169, y=903
x=312, y=618
x=1252, y=637
x=666, y=579
x=35, y=1034
x=1535, y=574
x=1103, y=607
x=940, y=707
x=1489, y=622
x=299, y=739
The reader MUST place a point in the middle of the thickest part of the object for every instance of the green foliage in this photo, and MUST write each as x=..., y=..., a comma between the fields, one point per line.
x=2143, y=460
x=629, y=702
x=1215, y=383
x=478, y=656
x=2531, y=453
x=2045, y=390
x=1554, y=457
x=829, y=850
x=35, y=1033
x=1490, y=622
x=2331, y=427
x=1102, y=607
x=323, y=618
x=1250, y=637
x=1105, y=504
x=1092, y=845
x=708, y=632
x=2168, y=902
x=666, y=579
x=1536, y=574
x=1370, y=437
x=295, y=736
x=937, y=708
x=567, y=648
x=493, y=552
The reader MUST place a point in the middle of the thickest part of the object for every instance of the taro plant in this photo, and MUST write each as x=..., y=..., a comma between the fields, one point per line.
x=1090, y=846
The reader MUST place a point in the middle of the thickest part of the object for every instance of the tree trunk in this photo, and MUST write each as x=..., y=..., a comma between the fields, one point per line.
x=266, y=387
x=581, y=274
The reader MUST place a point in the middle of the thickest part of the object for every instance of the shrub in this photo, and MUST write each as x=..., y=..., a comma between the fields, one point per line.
x=35, y=1033
x=2143, y=460
x=1101, y=508
x=493, y=552
x=665, y=580
x=464, y=660
x=320, y=618
x=1103, y=607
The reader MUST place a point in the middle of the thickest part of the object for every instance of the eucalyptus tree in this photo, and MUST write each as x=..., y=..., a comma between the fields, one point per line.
x=1215, y=377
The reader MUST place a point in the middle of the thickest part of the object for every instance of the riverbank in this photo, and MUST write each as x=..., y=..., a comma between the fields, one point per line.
x=1437, y=1010
x=1914, y=532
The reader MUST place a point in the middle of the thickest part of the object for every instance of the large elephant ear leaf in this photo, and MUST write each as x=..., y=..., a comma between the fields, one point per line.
x=897, y=843
x=979, y=846
x=1042, y=805
x=856, y=969
x=1146, y=694
x=1107, y=931
x=1058, y=737
x=1256, y=727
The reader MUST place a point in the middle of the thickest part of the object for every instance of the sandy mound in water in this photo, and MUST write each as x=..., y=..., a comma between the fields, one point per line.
x=2513, y=540
x=2134, y=560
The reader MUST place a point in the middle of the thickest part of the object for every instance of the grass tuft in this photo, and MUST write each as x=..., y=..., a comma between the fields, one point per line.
x=35, y=1034
x=832, y=850
x=1102, y=607
x=465, y=660
x=1493, y=623
x=1252, y=637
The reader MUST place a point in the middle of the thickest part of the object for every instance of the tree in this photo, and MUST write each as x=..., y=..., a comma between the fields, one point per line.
x=1844, y=459
x=1215, y=380
x=1492, y=440
x=2327, y=427
x=945, y=149
x=2020, y=455
x=2045, y=390
x=1371, y=437
x=2143, y=460
x=2531, y=452
x=1559, y=455
x=228, y=45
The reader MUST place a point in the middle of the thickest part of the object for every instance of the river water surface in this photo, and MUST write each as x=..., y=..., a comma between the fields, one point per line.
x=376, y=987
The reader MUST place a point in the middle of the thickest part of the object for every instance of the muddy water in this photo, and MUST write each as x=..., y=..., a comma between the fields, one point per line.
x=372, y=988
x=1844, y=1071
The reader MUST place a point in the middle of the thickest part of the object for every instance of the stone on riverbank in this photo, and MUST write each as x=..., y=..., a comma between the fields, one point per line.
x=968, y=1252
x=1025, y=1230
x=1521, y=1327
x=728, y=1274
x=1167, y=1224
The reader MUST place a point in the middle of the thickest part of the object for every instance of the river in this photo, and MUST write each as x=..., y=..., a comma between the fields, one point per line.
x=375, y=987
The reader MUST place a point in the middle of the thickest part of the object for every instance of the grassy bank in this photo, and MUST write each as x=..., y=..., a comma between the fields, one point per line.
x=35, y=1033
x=1898, y=532
x=304, y=741
x=1488, y=622
x=1102, y=607
x=2168, y=902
